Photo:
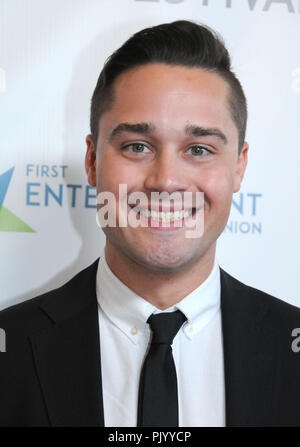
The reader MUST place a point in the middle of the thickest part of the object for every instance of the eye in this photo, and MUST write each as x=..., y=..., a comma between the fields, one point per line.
x=136, y=148
x=199, y=150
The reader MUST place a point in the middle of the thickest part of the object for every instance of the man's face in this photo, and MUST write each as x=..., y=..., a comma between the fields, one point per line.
x=168, y=155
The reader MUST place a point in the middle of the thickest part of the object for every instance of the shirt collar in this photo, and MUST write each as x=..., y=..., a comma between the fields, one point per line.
x=130, y=312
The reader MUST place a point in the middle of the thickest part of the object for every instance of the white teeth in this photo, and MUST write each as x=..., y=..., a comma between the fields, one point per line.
x=165, y=217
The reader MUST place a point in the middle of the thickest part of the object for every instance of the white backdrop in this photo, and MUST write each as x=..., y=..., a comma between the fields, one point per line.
x=51, y=53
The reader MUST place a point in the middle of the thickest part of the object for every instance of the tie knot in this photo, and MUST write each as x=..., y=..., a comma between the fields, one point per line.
x=165, y=326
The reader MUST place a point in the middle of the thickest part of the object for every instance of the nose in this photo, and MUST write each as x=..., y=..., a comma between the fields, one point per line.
x=166, y=174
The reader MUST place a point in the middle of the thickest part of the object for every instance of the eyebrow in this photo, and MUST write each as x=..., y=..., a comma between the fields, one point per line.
x=148, y=128
x=198, y=131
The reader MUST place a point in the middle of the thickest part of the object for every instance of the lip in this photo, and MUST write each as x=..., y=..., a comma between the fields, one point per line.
x=157, y=225
x=160, y=208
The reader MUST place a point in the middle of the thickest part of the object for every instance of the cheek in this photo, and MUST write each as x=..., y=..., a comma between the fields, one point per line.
x=112, y=171
x=217, y=184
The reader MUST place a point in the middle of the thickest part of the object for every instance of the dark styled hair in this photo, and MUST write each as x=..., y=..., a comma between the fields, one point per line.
x=183, y=43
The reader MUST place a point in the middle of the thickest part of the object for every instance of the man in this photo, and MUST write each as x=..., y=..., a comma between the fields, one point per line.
x=167, y=116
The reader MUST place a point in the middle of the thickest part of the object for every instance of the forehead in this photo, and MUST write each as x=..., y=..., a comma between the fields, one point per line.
x=162, y=74
x=168, y=94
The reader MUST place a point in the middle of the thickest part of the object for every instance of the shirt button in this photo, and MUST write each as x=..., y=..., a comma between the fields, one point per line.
x=190, y=328
x=134, y=330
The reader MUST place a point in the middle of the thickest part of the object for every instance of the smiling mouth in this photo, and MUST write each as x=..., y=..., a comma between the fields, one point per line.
x=160, y=216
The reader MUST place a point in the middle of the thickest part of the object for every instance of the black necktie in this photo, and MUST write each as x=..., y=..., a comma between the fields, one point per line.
x=158, y=397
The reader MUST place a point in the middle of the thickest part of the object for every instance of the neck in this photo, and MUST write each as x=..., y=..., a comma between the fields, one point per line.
x=162, y=290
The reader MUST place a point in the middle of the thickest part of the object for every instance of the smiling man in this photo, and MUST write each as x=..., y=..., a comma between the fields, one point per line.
x=155, y=333
x=169, y=128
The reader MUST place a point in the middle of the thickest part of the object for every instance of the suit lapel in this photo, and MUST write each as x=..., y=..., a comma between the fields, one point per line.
x=250, y=358
x=67, y=355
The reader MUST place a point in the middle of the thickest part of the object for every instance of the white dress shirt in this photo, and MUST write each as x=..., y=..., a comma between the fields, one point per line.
x=197, y=351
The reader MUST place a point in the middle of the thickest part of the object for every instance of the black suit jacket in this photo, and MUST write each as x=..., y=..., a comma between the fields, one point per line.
x=50, y=373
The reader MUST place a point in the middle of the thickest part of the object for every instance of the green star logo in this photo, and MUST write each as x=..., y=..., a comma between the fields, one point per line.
x=8, y=220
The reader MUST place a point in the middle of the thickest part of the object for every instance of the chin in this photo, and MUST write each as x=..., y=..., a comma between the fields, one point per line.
x=163, y=260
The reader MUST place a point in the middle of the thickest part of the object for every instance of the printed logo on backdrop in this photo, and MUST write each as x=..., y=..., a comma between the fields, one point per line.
x=252, y=5
x=8, y=220
x=51, y=191
x=244, y=217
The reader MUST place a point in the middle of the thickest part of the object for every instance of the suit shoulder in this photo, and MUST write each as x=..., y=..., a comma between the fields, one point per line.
x=34, y=313
x=276, y=306
x=24, y=314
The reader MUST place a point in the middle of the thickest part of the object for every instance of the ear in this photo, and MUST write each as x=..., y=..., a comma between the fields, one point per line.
x=241, y=167
x=90, y=161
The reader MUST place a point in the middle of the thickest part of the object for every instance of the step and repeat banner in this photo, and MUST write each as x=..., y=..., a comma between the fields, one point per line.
x=51, y=53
